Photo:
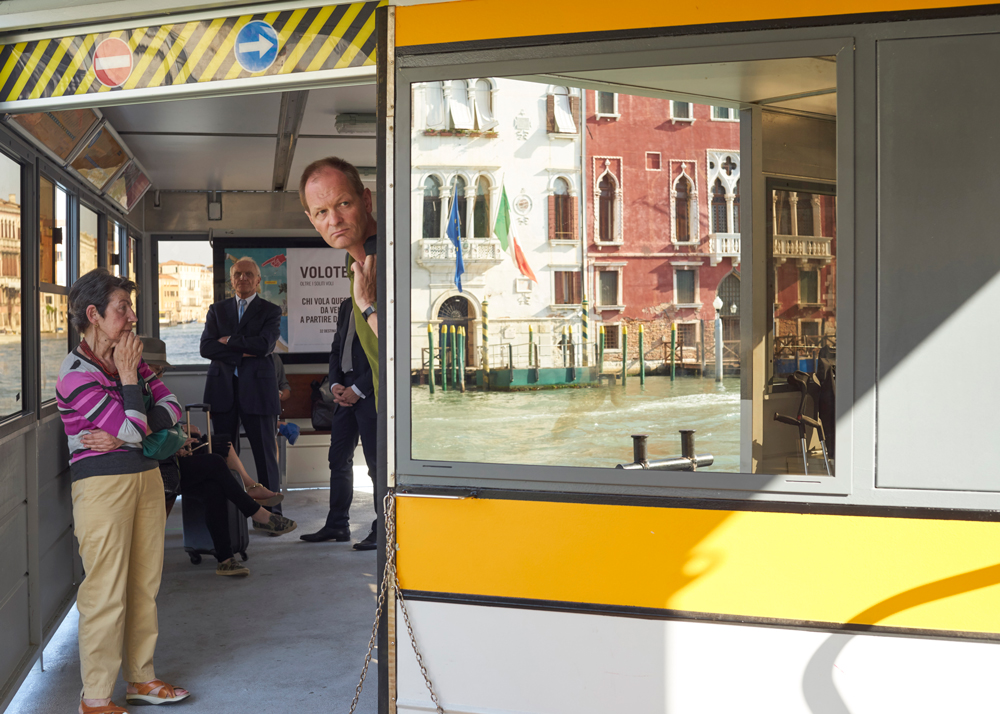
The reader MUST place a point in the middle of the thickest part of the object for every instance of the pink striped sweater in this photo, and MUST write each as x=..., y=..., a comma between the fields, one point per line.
x=89, y=399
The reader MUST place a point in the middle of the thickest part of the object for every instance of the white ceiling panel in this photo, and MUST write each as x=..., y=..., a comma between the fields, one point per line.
x=247, y=114
x=206, y=163
x=360, y=151
x=729, y=82
x=324, y=105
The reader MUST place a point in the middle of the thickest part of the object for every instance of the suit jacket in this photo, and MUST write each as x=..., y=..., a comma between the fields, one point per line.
x=361, y=375
x=256, y=334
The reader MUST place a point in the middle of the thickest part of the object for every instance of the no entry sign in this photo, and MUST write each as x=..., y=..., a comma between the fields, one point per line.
x=112, y=62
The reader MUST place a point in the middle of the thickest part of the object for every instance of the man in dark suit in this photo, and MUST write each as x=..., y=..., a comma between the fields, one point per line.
x=354, y=392
x=239, y=337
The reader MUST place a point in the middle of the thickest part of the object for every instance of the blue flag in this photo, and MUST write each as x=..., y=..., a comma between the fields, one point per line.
x=454, y=235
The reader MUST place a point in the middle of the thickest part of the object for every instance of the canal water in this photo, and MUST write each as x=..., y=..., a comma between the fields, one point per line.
x=579, y=427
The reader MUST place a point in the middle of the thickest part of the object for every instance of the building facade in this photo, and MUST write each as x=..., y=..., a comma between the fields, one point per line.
x=663, y=223
x=466, y=135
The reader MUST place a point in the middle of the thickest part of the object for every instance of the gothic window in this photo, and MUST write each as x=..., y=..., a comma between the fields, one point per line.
x=481, y=209
x=432, y=208
x=682, y=210
x=719, y=208
x=606, y=210
x=562, y=211
x=458, y=194
x=804, y=214
x=736, y=208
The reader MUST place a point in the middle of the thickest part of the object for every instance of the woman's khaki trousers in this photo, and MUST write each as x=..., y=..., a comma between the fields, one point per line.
x=119, y=522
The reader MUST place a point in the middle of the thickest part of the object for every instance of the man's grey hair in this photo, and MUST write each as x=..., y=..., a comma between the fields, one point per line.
x=244, y=259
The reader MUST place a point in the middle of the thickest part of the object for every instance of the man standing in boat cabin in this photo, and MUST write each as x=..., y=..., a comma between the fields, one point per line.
x=340, y=209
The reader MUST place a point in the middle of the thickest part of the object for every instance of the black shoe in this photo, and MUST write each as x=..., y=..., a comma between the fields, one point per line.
x=324, y=533
x=369, y=543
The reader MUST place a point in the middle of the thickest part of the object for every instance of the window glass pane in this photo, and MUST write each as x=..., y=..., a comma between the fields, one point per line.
x=59, y=131
x=112, y=248
x=685, y=287
x=131, y=258
x=61, y=235
x=88, y=240
x=101, y=160
x=608, y=285
x=481, y=210
x=53, y=316
x=553, y=267
x=186, y=290
x=46, y=227
x=10, y=287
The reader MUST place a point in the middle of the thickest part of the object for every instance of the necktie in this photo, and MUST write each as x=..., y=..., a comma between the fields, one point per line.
x=346, y=361
x=243, y=307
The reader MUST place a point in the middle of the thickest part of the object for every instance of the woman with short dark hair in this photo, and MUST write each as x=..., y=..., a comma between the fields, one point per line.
x=118, y=508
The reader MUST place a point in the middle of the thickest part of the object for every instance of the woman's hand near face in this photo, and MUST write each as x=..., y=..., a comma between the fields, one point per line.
x=127, y=354
x=100, y=440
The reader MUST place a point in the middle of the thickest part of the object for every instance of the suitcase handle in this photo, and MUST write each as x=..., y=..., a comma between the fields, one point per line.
x=206, y=408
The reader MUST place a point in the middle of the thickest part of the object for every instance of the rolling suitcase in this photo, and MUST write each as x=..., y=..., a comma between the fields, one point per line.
x=197, y=540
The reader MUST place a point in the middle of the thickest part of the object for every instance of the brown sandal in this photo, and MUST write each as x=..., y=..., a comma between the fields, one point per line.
x=166, y=695
x=109, y=708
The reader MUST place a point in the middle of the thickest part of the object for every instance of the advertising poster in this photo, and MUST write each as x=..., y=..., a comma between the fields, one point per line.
x=308, y=284
x=318, y=282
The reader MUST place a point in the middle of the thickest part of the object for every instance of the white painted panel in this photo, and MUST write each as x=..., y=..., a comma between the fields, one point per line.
x=243, y=114
x=358, y=149
x=503, y=660
x=202, y=163
x=324, y=105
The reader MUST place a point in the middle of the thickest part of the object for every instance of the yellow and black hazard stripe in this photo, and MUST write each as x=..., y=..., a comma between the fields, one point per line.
x=309, y=40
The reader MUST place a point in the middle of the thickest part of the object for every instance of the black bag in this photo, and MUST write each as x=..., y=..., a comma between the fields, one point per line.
x=323, y=406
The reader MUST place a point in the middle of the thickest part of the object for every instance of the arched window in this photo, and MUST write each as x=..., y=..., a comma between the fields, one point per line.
x=481, y=209
x=804, y=214
x=458, y=194
x=782, y=214
x=563, y=210
x=459, y=105
x=736, y=208
x=560, y=111
x=432, y=208
x=606, y=210
x=434, y=103
x=484, y=105
x=719, y=223
x=682, y=210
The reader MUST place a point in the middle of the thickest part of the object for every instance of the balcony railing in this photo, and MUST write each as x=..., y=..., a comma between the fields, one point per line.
x=478, y=254
x=802, y=248
x=724, y=245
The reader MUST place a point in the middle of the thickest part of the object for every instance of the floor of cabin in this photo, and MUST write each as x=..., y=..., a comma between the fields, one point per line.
x=290, y=637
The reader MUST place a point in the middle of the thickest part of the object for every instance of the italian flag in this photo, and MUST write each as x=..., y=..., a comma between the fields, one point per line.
x=505, y=231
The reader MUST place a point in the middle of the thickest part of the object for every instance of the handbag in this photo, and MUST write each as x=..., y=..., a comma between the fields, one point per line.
x=323, y=405
x=162, y=444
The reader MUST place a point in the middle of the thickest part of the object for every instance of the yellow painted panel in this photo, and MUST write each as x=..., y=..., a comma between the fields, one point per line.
x=467, y=20
x=892, y=572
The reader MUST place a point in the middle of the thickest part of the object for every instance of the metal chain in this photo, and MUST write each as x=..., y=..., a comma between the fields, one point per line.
x=389, y=576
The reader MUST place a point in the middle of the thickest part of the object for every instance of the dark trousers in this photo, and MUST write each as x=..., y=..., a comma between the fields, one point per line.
x=260, y=430
x=206, y=476
x=348, y=424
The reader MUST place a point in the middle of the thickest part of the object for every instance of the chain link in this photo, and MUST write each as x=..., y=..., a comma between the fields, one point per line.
x=389, y=577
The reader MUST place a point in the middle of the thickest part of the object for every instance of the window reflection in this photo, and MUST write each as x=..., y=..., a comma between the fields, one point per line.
x=601, y=255
x=88, y=240
x=53, y=316
x=185, y=286
x=10, y=288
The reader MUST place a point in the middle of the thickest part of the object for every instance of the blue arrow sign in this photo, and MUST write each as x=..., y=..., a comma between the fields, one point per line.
x=256, y=46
